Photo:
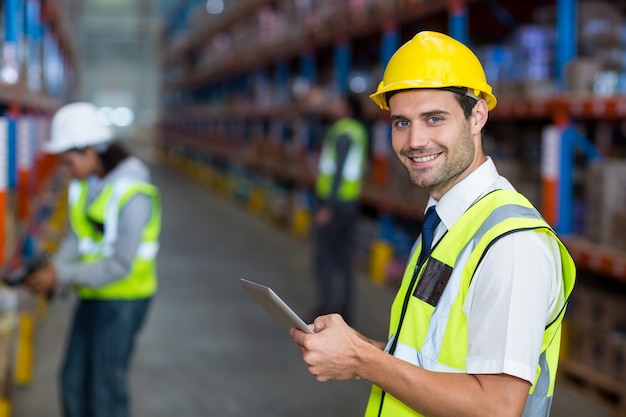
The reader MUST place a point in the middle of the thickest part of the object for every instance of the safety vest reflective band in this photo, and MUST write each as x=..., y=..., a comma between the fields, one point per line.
x=352, y=172
x=428, y=327
x=95, y=243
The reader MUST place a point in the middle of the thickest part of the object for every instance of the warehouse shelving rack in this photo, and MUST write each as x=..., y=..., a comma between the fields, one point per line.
x=204, y=118
x=559, y=108
x=562, y=109
x=37, y=72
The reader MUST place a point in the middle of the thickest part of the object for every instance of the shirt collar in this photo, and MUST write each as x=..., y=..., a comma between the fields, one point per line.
x=460, y=197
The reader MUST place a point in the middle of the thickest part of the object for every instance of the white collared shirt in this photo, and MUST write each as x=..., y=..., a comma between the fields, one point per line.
x=516, y=291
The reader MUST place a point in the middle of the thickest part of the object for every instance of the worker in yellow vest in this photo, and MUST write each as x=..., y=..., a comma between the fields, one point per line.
x=476, y=324
x=337, y=190
x=108, y=256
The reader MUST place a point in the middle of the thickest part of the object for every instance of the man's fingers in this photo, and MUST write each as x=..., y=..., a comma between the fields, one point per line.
x=298, y=336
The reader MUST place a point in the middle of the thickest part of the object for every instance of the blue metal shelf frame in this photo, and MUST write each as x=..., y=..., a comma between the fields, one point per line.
x=571, y=139
x=342, y=62
x=458, y=21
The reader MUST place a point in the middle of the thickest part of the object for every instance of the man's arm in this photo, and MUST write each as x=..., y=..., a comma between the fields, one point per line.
x=68, y=248
x=67, y=268
x=519, y=270
x=337, y=352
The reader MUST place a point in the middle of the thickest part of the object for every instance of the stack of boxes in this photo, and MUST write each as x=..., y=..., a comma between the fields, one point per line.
x=522, y=67
x=597, y=317
x=600, y=63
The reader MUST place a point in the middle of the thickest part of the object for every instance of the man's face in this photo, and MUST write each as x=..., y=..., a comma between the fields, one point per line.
x=436, y=144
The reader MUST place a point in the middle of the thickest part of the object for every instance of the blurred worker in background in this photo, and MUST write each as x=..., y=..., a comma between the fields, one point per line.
x=475, y=328
x=108, y=256
x=337, y=188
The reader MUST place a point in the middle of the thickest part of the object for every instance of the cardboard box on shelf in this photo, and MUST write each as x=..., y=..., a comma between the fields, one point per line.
x=536, y=89
x=602, y=355
x=618, y=231
x=605, y=194
x=579, y=75
x=600, y=25
x=589, y=310
x=597, y=318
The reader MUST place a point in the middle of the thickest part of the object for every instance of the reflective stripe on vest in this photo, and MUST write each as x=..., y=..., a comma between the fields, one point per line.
x=352, y=172
x=104, y=246
x=96, y=244
x=435, y=338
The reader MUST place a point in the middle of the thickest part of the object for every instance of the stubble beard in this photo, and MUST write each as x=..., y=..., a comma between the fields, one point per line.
x=452, y=168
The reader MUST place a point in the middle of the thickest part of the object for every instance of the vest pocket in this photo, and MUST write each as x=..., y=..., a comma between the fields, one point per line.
x=433, y=282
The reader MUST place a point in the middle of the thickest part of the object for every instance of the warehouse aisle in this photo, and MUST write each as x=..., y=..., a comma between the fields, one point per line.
x=208, y=349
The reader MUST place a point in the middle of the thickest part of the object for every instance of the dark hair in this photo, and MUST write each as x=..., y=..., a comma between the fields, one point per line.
x=466, y=102
x=112, y=156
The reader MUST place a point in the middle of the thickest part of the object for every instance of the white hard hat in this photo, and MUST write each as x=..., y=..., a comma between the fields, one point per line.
x=76, y=125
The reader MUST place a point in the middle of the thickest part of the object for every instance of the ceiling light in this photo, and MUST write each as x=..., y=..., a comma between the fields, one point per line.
x=215, y=6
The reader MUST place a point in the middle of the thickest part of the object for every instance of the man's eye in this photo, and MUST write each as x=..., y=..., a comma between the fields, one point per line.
x=402, y=123
x=434, y=119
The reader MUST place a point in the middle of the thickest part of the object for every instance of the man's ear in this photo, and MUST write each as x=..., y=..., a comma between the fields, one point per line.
x=480, y=114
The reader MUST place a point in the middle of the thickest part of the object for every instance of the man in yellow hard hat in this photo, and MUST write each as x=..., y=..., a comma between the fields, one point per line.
x=475, y=327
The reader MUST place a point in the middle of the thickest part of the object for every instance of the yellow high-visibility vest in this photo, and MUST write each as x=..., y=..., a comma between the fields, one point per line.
x=436, y=338
x=94, y=244
x=354, y=165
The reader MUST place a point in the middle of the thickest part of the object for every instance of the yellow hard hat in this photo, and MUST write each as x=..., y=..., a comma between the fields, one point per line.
x=434, y=60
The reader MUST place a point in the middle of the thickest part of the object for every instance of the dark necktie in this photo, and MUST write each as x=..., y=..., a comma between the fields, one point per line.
x=431, y=220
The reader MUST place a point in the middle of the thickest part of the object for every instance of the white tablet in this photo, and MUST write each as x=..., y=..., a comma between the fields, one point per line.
x=273, y=304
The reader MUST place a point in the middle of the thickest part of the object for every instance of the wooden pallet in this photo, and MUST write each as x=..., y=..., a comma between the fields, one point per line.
x=603, y=391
